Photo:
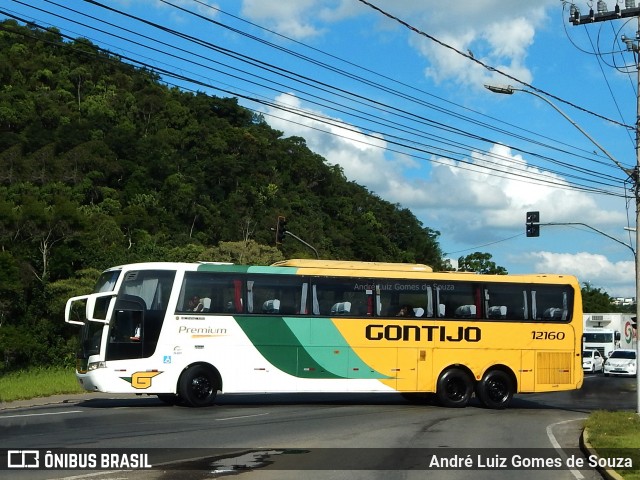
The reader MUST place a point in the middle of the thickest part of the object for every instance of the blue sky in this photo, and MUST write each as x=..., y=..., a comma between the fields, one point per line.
x=406, y=115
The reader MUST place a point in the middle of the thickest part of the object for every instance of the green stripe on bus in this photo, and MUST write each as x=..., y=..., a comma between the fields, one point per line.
x=228, y=268
x=277, y=343
x=329, y=348
x=213, y=267
x=326, y=354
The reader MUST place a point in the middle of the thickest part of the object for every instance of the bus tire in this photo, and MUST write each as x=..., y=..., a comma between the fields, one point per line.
x=198, y=386
x=496, y=389
x=454, y=389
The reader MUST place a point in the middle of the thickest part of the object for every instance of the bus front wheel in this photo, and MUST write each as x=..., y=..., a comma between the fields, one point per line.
x=454, y=388
x=198, y=386
x=496, y=389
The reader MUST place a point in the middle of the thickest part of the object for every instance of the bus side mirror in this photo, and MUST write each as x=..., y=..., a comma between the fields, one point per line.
x=100, y=306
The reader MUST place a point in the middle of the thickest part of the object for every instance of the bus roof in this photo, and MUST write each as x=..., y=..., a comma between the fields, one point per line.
x=345, y=268
x=353, y=265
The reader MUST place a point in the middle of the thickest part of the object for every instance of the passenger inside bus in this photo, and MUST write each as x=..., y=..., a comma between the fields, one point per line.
x=136, y=334
x=197, y=304
x=405, y=311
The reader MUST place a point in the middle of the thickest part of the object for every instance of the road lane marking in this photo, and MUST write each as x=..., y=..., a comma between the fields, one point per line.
x=96, y=474
x=242, y=416
x=557, y=446
x=40, y=414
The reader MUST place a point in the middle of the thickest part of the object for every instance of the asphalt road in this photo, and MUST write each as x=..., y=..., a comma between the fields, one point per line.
x=311, y=436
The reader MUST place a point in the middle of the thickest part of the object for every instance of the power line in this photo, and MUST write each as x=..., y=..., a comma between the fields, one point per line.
x=360, y=78
x=491, y=68
x=398, y=140
x=524, y=176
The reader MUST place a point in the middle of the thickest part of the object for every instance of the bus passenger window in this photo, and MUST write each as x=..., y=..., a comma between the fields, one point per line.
x=551, y=303
x=276, y=294
x=505, y=302
x=405, y=298
x=458, y=299
x=353, y=297
x=210, y=292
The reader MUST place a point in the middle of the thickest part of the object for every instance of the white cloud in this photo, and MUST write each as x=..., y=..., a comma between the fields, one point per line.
x=499, y=33
x=361, y=157
x=615, y=278
x=487, y=197
x=293, y=18
x=483, y=197
x=469, y=200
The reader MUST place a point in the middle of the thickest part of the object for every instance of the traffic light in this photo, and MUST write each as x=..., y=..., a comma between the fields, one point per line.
x=281, y=228
x=532, y=227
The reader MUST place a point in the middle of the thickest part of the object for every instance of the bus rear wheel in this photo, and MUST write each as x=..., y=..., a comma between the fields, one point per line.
x=454, y=388
x=496, y=389
x=198, y=386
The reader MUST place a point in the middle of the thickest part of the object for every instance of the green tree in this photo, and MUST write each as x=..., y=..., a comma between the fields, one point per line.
x=102, y=164
x=245, y=252
x=480, y=263
x=595, y=300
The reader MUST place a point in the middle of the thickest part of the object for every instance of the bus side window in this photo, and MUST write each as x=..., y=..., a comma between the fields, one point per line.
x=505, y=302
x=407, y=298
x=276, y=294
x=459, y=300
x=215, y=293
x=353, y=297
x=551, y=303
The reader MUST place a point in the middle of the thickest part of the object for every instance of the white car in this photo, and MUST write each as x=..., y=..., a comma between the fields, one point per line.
x=621, y=362
x=592, y=361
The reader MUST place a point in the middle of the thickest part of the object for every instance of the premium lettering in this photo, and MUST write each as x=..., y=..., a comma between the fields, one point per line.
x=202, y=330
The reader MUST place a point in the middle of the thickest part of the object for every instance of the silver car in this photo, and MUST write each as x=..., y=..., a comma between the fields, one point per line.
x=621, y=362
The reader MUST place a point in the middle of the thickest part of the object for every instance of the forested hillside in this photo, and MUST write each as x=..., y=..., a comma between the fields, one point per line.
x=103, y=164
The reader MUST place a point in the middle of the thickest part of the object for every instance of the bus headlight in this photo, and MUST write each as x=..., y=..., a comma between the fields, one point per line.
x=96, y=365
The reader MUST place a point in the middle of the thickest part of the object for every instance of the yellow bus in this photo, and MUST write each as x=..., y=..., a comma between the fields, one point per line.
x=184, y=331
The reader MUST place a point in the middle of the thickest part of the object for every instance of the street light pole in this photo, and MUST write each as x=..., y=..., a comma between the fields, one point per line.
x=509, y=90
x=604, y=15
x=634, y=48
x=632, y=173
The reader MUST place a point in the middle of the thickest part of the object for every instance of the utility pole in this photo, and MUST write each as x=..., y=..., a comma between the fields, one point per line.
x=602, y=15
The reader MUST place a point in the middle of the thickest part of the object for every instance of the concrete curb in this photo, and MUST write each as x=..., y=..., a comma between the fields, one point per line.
x=588, y=449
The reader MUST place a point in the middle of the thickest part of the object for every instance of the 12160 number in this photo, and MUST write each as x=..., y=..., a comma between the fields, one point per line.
x=547, y=335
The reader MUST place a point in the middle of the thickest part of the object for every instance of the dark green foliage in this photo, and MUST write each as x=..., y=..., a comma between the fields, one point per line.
x=101, y=164
x=594, y=300
x=479, y=262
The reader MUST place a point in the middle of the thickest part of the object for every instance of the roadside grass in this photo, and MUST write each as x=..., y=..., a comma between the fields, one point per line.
x=37, y=382
x=616, y=435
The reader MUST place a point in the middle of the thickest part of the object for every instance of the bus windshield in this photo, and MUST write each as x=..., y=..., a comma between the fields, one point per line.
x=107, y=281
